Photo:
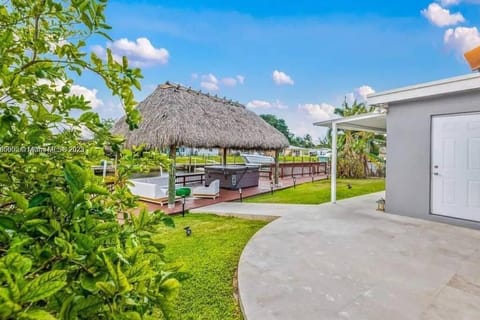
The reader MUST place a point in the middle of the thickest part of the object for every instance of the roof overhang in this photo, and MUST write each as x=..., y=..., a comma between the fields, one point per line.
x=453, y=85
x=369, y=122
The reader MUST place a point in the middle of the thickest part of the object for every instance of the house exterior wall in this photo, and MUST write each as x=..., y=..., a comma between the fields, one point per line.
x=408, y=153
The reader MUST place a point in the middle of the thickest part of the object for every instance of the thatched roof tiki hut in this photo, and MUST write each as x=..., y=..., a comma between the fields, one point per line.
x=175, y=116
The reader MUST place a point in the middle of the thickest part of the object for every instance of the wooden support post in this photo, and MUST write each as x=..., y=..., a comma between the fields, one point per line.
x=190, y=161
x=171, y=176
x=277, y=166
x=224, y=156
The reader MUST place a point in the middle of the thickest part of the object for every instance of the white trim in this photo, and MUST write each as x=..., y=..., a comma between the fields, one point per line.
x=354, y=122
x=351, y=118
x=441, y=87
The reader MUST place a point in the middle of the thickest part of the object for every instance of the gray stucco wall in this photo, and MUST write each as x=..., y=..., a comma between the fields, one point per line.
x=408, y=153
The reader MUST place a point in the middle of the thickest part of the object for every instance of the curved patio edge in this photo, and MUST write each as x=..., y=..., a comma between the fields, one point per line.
x=348, y=261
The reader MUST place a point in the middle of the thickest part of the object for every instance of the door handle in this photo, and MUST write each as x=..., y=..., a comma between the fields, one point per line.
x=436, y=174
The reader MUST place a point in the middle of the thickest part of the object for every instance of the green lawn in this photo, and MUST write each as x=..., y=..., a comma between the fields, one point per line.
x=211, y=256
x=319, y=191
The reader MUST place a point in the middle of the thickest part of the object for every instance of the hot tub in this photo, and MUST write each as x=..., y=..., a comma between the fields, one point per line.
x=233, y=176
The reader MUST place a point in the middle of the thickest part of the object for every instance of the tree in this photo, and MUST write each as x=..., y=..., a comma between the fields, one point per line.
x=308, y=141
x=296, y=141
x=279, y=124
x=355, y=148
x=63, y=253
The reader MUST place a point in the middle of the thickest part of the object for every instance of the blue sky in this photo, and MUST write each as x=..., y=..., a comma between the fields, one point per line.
x=294, y=59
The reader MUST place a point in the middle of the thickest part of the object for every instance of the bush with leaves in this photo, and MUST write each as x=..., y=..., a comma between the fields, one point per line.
x=69, y=248
x=356, y=149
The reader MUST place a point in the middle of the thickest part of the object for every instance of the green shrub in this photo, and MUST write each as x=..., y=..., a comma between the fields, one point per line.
x=70, y=248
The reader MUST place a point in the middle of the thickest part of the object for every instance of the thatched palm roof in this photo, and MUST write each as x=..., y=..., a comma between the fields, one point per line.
x=177, y=116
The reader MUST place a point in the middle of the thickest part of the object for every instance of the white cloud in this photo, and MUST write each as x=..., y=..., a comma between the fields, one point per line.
x=209, y=82
x=88, y=94
x=229, y=82
x=319, y=112
x=447, y=3
x=240, y=78
x=76, y=90
x=111, y=109
x=212, y=83
x=262, y=104
x=442, y=17
x=232, y=82
x=462, y=39
x=281, y=78
x=359, y=94
x=362, y=92
x=140, y=53
x=209, y=86
x=259, y=104
x=98, y=50
x=279, y=105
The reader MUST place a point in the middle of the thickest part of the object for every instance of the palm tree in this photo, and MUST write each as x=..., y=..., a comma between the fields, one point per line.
x=356, y=149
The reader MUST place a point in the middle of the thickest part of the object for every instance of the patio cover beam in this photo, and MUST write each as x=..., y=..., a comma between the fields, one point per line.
x=357, y=127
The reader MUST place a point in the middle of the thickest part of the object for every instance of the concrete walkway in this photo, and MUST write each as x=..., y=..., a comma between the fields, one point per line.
x=348, y=261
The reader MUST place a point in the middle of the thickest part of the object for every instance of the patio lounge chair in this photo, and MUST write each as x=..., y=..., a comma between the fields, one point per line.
x=212, y=191
x=151, y=192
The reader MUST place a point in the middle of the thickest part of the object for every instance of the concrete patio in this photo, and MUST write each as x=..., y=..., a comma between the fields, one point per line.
x=348, y=261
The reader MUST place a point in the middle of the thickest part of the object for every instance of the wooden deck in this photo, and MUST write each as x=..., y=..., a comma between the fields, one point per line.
x=233, y=195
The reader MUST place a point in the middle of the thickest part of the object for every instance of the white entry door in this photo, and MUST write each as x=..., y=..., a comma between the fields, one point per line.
x=456, y=166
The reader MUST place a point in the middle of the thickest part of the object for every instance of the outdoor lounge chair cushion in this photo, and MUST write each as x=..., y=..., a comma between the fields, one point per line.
x=212, y=191
x=148, y=190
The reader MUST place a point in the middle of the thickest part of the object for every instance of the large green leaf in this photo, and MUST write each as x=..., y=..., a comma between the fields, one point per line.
x=44, y=286
x=65, y=245
x=66, y=308
x=20, y=200
x=170, y=288
x=140, y=271
x=17, y=264
x=36, y=315
x=131, y=315
x=87, y=281
x=7, y=223
x=107, y=287
x=60, y=199
x=76, y=176
x=89, y=116
x=168, y=221
x=41, y=114
x=123, y=284
x=38, y=199
x=96, y=189
x=84, y=243
x=87, y=306
x=8, y=308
